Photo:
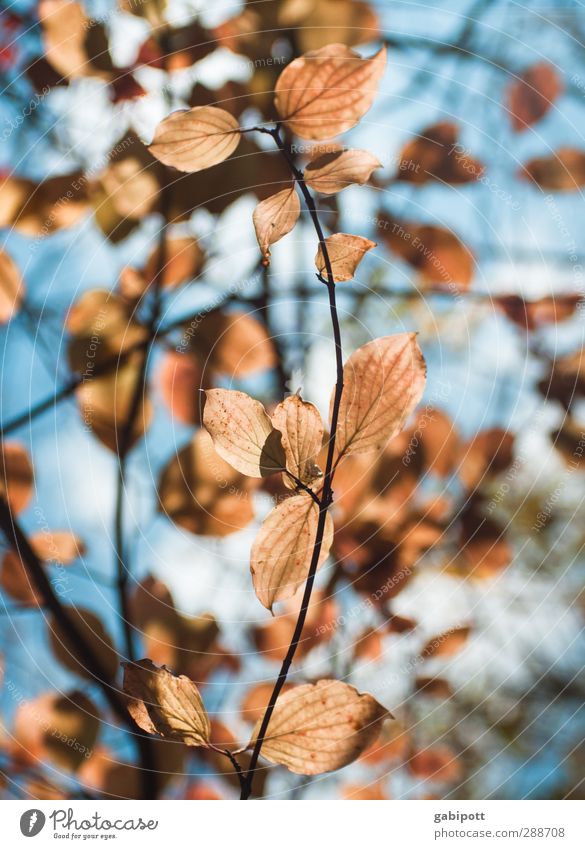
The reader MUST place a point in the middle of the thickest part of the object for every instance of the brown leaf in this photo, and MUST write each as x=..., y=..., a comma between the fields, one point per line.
x=179, y=377
x=329, y=173
x=59, y=728
x=531, y=96
x=11, y=288
x=234, y=344
x=435, y=154
x=272, y=638
x=368, y=646
x=256, y=701
x=301, y=427
x=107, y=402
x=275, y=217
x=437, y=763
x=317, y=24
x=321, y=727
x=166, y=704
x=488, y=453
x=532, y=314
x=16, y=476
x=327, y=91
x=183, y=261
x=93, y=633
x=195, y=139
x=564, y=171
x=438, y=254
x=436, y=688
x=242, y=433
x=368, y=793
x=446, y=644
x=283, y=548
x=202, y=493
x=383, y=382
x=51, y=546
x=102, y=326
x=345, y=253
x=64, y=31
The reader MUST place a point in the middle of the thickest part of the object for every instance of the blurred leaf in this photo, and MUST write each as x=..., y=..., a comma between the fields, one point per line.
x=436, y=154
x=446, y=644
x=440, y=257
x=11, y=288
x=16, y=476
x=532, y=95
x=564, y=171
x=93, y=633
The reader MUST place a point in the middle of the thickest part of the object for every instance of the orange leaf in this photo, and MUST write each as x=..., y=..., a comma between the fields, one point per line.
x=446, y=644
x=301, y=427
x=332, y=172
x=275, y=217
x=327, y=91
x=345, y=253
x=196, y=139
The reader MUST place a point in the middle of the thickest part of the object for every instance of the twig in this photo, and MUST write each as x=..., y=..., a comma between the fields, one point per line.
x=327, y=491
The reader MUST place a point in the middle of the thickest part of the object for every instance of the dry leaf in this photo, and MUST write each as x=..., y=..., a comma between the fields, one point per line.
x=16, y=476
x=438, y=254
x=275, y=217
x=11, y=288
x=321, y=727
x=332, y=172
x=564, y=171
x=446, y=644
x=345, y=253
x=93, y=633
x=531, y=96
x=166, y=704
x=195, y=139
x=242, y=433
x=436, y=154
x=301, y=427
x=283, y=548
x=383, y=382
x=327, y=91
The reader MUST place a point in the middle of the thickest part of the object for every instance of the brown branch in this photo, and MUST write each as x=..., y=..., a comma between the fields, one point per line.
x=84, y=651
x=327, y=491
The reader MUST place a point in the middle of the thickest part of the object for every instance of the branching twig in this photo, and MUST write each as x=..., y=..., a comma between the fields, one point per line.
x=327, y=491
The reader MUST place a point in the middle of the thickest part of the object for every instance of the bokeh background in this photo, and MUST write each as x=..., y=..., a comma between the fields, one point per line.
x=454, y=589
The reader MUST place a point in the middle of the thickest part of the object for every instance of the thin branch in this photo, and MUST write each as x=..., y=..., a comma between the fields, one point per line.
x=327, y=491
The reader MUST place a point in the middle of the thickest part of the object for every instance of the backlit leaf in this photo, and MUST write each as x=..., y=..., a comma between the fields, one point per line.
x=383, y=382
x=242, y=433
x=345, y=253
x=327, y=91
x=301, y=427
x=317, y=728
x=332, y=172
x=283, y=548
x=196, y=139
x=166, y=704
x=275, y=217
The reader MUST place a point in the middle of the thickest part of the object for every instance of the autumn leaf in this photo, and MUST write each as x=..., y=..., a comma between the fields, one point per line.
x=195, y=139
x=436, y=154
x=532, y=95
x=283, y=548
x=16, y=476
x=93, y=633
x=275, y=217
x=242, y=433
x=11, y=288
x=383, y=381
x=564, y=171
x=446, y=644
x=332, y=172
x=166, y=704
x=317, y=728
x=345, y=253
x=202, y=493
x=327, y=91
x=301, y=427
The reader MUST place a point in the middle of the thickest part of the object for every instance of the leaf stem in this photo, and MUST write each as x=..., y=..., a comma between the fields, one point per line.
x=327, y=491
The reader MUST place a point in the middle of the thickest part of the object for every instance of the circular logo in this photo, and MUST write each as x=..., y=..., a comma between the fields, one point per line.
x=32, y=822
